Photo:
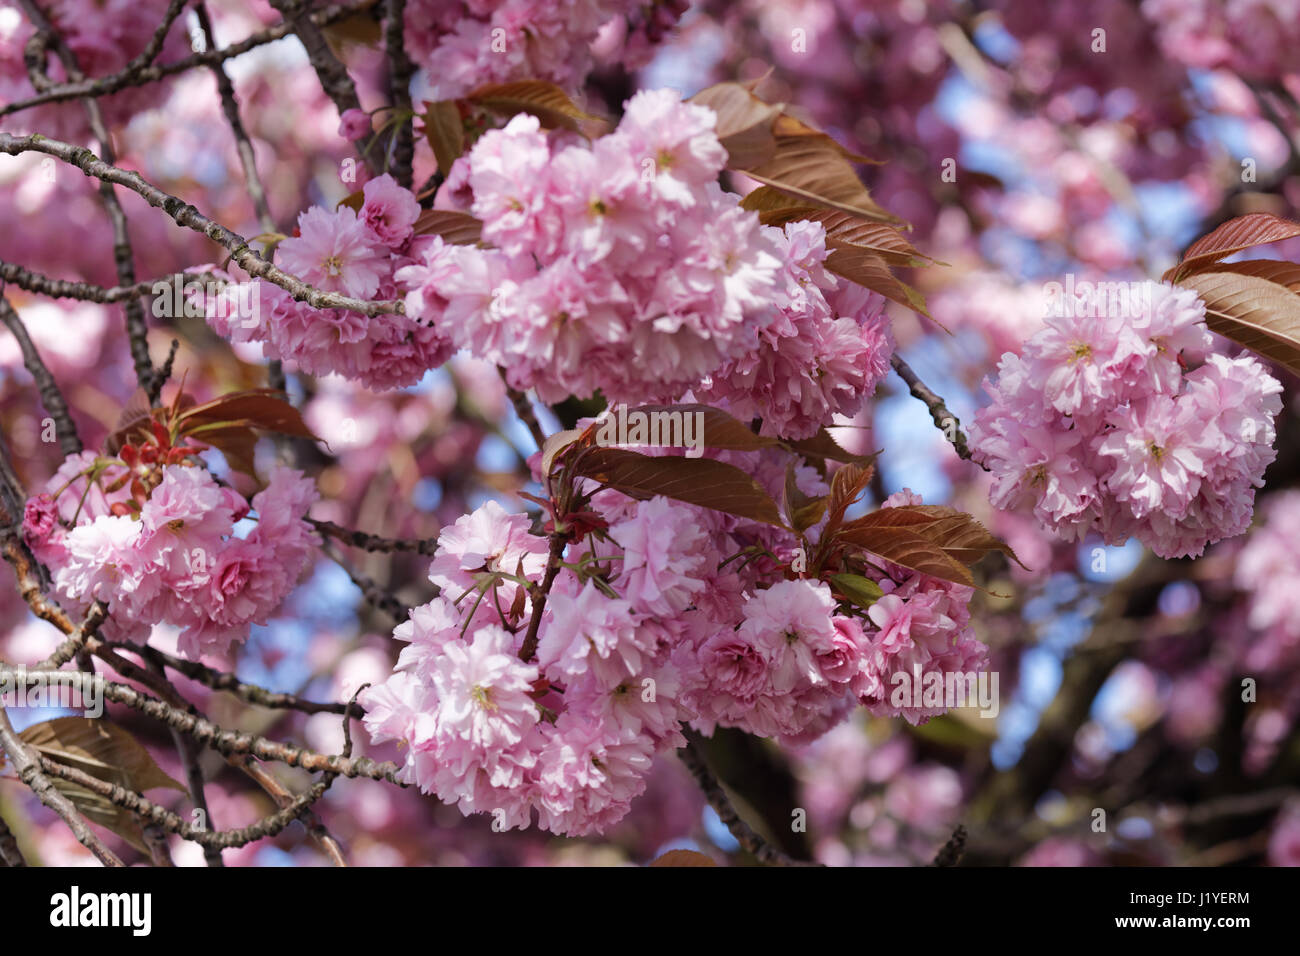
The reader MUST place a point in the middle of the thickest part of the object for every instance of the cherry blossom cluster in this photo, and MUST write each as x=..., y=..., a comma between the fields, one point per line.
x=619, y=266
x=355, y=253
x=464, y=45
x=622, y=266
x=177, y=557
x=665, y=613
x=1268, y=571
x=1100, y=426
x=821, y=355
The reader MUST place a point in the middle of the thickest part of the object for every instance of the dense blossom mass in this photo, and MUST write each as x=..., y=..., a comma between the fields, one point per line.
x=550, y=212
x=355, y=253
x=464, y=45
x=619, y=266
x=1103, y=425
x=158, y=543
x=651, y=623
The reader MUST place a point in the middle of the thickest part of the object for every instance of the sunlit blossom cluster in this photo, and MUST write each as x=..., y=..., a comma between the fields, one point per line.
x=1102, y=425
x=623, y=267
x=651, y=623
x=179, y=558
x=355, y=253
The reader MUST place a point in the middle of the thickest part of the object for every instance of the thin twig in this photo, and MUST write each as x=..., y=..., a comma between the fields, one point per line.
x=951, y=852
x=400, y=71
x=373, y=542
x=123, y=259
x=252, y=693
x=524, y=409
x=945, y=420
x=76, y=641
x=51, y=397
x=692, y=756
x=106, y=85
x=147, y=810
x=10, y=853
x=243, y=145
x=184, y=214
x=228, y=742
x=38, y=284
x=330, y=71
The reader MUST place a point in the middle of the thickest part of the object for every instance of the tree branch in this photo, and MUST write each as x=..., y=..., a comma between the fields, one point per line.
x=764, y=852
x=51, y=397
x=945, y=420
x=27, y=764
x=189, y=217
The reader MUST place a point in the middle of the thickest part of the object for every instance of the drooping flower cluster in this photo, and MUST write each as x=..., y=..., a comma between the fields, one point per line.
x=624, y=267
x=1098, y=426
x=620, y=266
x=651, y=621
x=176, y=558
x=821, y=355
x=461, y=46
x=355, y=253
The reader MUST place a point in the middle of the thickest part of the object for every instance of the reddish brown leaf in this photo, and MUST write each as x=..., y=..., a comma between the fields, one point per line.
x=1255, y=312
x=744, y=125
x=445, y=132
x=353, y=201
x=550, y=104
x=907, y=547
x=847, y=486
x=262, y=408
x=803, y=511
x=696, y=481
x=842, y=229
x=1234, y=235
x=813, y=170
x=683, y=858
x=824, y=446
x=456, y=228
x=958, y=534
x=1274, y=270
x=721, y=430
x=868, y=269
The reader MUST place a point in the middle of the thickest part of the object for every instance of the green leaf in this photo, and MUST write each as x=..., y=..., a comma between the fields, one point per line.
x=857, y=589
